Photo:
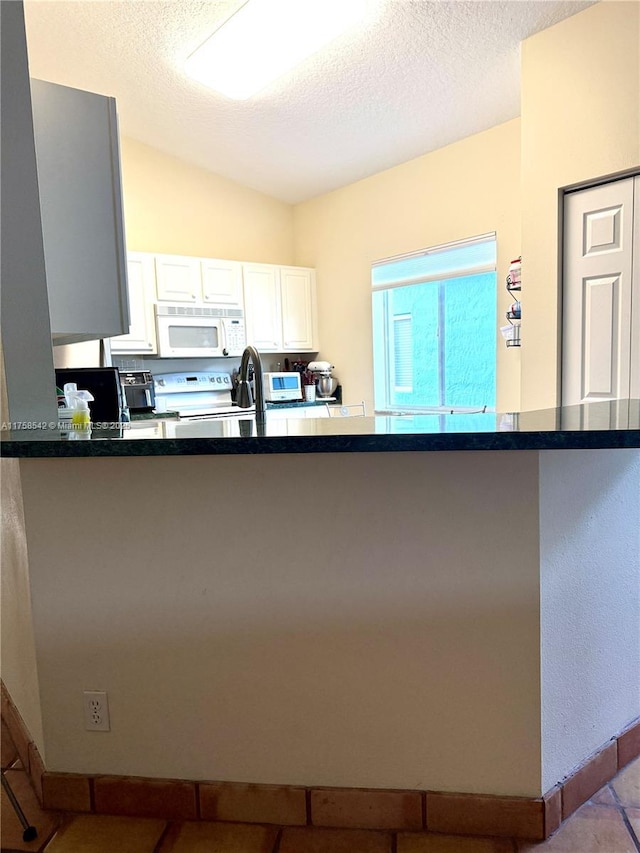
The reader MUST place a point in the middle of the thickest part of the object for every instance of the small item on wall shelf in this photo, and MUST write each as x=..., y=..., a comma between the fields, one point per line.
x=511, y=334
x=514, y=278
x=514, y=312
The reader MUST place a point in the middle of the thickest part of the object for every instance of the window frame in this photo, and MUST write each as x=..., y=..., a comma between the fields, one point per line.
x=388, y=325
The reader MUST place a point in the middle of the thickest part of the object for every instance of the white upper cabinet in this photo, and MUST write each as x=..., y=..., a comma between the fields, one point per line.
x=221, y=282
x=263, y=316
x=298, y=298
x=178, y=278
x=280, y=308
x=78, y=164
x=198, y=280
x=141, y=276
x=279, y=302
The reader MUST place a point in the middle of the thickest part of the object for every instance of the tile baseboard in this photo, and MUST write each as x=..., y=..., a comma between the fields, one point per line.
x=534, y=818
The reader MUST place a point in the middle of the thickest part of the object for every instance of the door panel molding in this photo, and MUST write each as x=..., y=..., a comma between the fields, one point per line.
x=600, y=337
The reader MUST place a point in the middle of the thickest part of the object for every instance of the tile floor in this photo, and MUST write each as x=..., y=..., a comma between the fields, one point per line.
x=608, y=823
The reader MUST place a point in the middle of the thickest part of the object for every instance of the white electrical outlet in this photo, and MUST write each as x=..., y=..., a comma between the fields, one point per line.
x=96, y=711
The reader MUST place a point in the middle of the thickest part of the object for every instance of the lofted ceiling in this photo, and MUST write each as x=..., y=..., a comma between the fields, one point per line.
x=415, y=76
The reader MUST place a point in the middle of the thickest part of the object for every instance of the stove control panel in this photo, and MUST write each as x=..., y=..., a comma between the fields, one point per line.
x=184, y=383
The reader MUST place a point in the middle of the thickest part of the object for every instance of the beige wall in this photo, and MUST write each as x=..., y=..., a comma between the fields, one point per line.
x=172, y=207
x=589, y=602
x=465, y=189
x=580, y=121
x=394, y=644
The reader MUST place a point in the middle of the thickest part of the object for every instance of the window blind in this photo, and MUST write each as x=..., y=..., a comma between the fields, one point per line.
x=403, y=352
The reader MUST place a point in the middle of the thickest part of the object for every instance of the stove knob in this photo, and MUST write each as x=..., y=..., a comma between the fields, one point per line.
x=225, y=351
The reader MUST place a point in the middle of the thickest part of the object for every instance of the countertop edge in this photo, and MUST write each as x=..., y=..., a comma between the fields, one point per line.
x=432, y=442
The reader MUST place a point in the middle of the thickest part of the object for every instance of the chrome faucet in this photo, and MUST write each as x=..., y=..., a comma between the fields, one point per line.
x=243, y=391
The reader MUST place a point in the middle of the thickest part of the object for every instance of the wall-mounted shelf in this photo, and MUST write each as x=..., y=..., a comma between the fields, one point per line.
x=511, y=333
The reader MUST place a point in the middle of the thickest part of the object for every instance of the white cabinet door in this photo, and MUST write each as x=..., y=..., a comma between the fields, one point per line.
x=222, y=282
x=280, y=308
x=298, y=294
x=142, y=289
x=634, y=391
x=262, y=307
x=178, y=278
x=279, y=414
x=597, y=292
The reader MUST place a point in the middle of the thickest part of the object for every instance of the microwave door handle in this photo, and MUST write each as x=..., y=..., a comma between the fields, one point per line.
x=223, y=337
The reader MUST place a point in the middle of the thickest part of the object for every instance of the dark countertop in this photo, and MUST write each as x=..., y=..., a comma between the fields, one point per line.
x=151, y=416
x=289, y=404
x=295, y=404
x=596, y=425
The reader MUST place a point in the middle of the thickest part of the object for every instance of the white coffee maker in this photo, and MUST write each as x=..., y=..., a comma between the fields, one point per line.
x=325, y=382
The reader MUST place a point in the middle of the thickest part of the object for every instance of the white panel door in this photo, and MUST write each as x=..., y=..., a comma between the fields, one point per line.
x=178, y=278
x=298, y=309
x=635, y=299
x=222, y=282
x=263, y=318
x=141, y=280
x=597, y=293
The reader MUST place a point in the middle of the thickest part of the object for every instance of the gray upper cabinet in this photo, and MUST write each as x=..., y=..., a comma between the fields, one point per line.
x=78, y=161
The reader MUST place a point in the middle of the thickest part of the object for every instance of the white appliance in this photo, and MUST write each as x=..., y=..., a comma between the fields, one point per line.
x=198, y=395
x=189, y=331
x=324, y=380
x=279, y=387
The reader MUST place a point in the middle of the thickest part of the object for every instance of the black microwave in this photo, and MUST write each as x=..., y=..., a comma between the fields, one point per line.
x=103, y=383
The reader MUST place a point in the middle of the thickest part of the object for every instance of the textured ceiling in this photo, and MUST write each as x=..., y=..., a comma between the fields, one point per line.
x=416, y=75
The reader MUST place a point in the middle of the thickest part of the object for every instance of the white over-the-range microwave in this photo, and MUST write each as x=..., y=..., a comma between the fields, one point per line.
x=186, y=331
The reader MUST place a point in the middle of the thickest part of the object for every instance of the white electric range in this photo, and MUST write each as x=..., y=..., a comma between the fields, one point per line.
x=197, y=395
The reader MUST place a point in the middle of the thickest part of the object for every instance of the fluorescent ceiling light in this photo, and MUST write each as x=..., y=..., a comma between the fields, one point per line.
x=265, y=38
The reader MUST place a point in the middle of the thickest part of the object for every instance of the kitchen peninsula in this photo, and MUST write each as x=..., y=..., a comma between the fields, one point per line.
x=312, y=608
x=614, y=424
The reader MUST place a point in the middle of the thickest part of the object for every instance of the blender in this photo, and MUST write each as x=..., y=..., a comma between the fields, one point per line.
x=326, y=384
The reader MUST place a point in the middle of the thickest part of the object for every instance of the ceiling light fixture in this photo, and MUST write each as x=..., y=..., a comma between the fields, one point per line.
x=266, y=38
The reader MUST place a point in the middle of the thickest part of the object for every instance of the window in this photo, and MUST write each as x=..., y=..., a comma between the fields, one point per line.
x=434, y=328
